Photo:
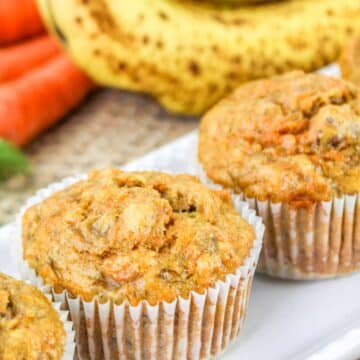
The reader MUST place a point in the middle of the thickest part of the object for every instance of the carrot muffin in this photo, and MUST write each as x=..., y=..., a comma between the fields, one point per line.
x=350, y=61
x=30, y=327
x=291, y=145
x=140, y=239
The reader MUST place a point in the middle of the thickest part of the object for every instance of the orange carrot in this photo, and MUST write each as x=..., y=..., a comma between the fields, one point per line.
x=19, y=19
x=16, y=60
x=38, y=99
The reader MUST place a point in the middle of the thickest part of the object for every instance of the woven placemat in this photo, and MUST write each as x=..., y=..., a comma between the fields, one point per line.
x=109, y=129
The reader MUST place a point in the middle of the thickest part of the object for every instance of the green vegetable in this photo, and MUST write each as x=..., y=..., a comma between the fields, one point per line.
x=12, y=161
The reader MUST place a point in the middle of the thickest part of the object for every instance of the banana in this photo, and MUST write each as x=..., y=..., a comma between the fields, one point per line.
x=190, y=54
x=350, y=61
x=235, y=2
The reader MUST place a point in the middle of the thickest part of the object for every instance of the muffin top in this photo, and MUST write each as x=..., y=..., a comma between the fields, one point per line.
x=136, y=236
x=29, y=326
x=294, y=138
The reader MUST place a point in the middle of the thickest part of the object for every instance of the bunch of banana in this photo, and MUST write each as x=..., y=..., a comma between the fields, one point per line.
x=189, y=54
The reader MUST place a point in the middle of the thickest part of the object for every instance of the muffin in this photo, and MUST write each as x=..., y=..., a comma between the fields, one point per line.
x=350, y=61
x=160, y=265
x=30, y=328
x=290, y=145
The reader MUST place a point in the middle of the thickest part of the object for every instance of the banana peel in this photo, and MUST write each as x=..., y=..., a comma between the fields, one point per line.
x=235, y=2
x=350, y=61
x=190, y=54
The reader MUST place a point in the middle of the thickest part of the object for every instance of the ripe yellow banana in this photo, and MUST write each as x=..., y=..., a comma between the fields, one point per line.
x=236, y=2
x=189, y=54
x=350, y=61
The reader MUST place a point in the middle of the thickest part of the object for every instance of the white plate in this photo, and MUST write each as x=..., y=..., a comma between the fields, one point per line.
x=314, y=320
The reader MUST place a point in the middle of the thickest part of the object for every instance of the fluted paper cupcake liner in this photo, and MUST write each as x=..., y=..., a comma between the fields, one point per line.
x=320, y=241
x=69, y=350
x=195, y=328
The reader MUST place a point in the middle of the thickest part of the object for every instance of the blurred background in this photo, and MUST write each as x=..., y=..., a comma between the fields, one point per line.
x=90, y=84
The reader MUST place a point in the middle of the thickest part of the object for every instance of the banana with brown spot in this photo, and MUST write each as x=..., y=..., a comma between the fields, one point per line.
x=190, y=54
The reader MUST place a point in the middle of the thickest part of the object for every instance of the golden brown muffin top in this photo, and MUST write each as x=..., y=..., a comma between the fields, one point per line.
x=350, y=61
x=135, y=235
x=30, y=328
x=293, y=138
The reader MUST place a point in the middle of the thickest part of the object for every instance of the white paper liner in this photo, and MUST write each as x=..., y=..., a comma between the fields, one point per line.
x=69, y=350
x=196, y=328
x=321, y=241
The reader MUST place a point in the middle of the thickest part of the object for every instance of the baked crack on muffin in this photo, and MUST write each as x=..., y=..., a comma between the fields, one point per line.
x=30, y=328
x=135, y=236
